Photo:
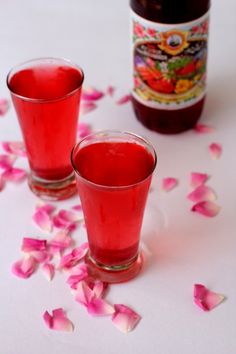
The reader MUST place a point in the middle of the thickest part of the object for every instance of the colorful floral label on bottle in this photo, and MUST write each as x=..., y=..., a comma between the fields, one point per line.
x=169, y=62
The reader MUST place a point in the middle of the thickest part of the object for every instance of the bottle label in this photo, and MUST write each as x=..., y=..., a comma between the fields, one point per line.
x=169, y=62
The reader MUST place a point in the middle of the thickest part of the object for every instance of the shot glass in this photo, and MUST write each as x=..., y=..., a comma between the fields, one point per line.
x=46, y=96
x=113, y=171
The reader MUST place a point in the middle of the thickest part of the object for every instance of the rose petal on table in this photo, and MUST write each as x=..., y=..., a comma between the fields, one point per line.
x=1, y=183
x=84, y=129
x=205, y=298
x=81, y=273
x=48, y=271
x=124, y=99
x=4, y=105
x=98, y=288
x=14, y=147
x=86, y=107
x=13, y=174
x=60, y=241
x=83, y=293
x=91, y=94
x=58, y=320
x=206, y=208
x=33, y=244
x=197, y=179
x=69, y=216
x=42, y=220
x=41, y=256
x=77, y=207
x=6, y=161
x=169, y=183
x=110, y=90
x=215, y=150
x=99, y=307
x=48, y=208
x=124, y=318
x=24, y=268
x=72, y=258
x=202, y=193
x=203, y=128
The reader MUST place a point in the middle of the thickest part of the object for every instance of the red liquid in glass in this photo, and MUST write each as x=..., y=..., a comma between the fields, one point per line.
x=114, y=215
x=48, y=111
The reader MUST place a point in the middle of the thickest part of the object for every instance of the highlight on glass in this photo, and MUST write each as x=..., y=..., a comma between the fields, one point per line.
x=114, y=171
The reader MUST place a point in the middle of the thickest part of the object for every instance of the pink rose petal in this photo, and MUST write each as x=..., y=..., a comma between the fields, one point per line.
x=1, y=183
x=169, y=183
x=91, y=94
x=24, y=268
x=202, y=193
x=86, y=107
x=203, y=128
x=197, y=179
x=77, y=207
x=83, y=293
x=99, y=307
x=124, y=99
x=72, y=258
x=13, y=174
x=6, y=161
x=110, y=90
x=4, y=105
x=48, y=271
x=67, y=219
x=69, y=216
x=58, y=321
x=124, y=318
x=33, y=244
x=206, y=208
x=84, y=129
x=60, y=241
x=42, y=220
x=80, y=274
x=14, y=147
x=215, y=150
x=205, y=298
x=48, y=208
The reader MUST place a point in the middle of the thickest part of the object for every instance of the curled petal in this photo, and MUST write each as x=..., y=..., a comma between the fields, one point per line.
x=202, y=193
x=60, y=241
x=58, y=321
x=80, y=274
x=42, y=220
x=99, y=307
x=110, y=90
x=84, y=129
x=91, y=94
x=169, y=183
x=124, y=318
x=6, y=161
x=14, y=174
x=197, y=179
x=83, y=293
x=24, y=268
x=203, y=128
x=4, y=105
x=124, y=99
x=33, y=244
x=86, y=107
x=72, y=258
x=215, y=150
x=206, y=208
x=205, y=298
x=14, y=147
x=48, y=270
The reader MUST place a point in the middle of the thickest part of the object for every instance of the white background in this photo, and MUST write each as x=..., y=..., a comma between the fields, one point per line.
x=182, y=248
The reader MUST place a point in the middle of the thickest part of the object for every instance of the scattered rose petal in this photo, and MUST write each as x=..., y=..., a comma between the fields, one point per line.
x=124, y=99
x=215, y=150
x=48, y=208
x=13, y=174
x=80, y=274
x=67, y=219
x=202, y=193
x=124, y=318
x=84, y=129
x=206, y=208
x=69, y=216
x=91, y=94
x=83, y=293
x=42, y=220
x=1, y=183
x=60, y=242
x=77, y=207
x=58, y=321
x=6, y=161
x=41, y=256
x=72, y=258
x=33, y=244
x=169, y=183
x=4, y=105
x=48, y=271
x=203, y=128
x=86, y=107
x=205, y=298
x=14, y=147
x=197, y=179
x=110, y=90
x=24, y=268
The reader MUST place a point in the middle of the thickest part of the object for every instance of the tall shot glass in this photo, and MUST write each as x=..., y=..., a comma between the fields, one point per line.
x=114, y=171
x=46, y=96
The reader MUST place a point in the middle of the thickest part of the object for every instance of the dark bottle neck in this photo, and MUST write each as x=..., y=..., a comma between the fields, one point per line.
x=170, y=11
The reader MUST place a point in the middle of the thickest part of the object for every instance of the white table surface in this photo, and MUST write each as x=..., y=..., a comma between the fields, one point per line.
x=183, y=248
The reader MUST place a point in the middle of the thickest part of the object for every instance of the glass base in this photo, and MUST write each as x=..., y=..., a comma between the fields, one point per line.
x=114, y=274
x=53, y=190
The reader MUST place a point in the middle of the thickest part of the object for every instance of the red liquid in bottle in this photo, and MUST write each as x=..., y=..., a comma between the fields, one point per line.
x=46, y=100
x=114, y=215
x=170, y=52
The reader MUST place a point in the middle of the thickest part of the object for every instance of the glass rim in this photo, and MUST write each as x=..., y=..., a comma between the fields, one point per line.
x=109, y=132
x=25, y=98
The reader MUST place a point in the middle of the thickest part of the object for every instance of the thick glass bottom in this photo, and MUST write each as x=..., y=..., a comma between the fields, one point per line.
x=116, y=273
x=53, y=190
